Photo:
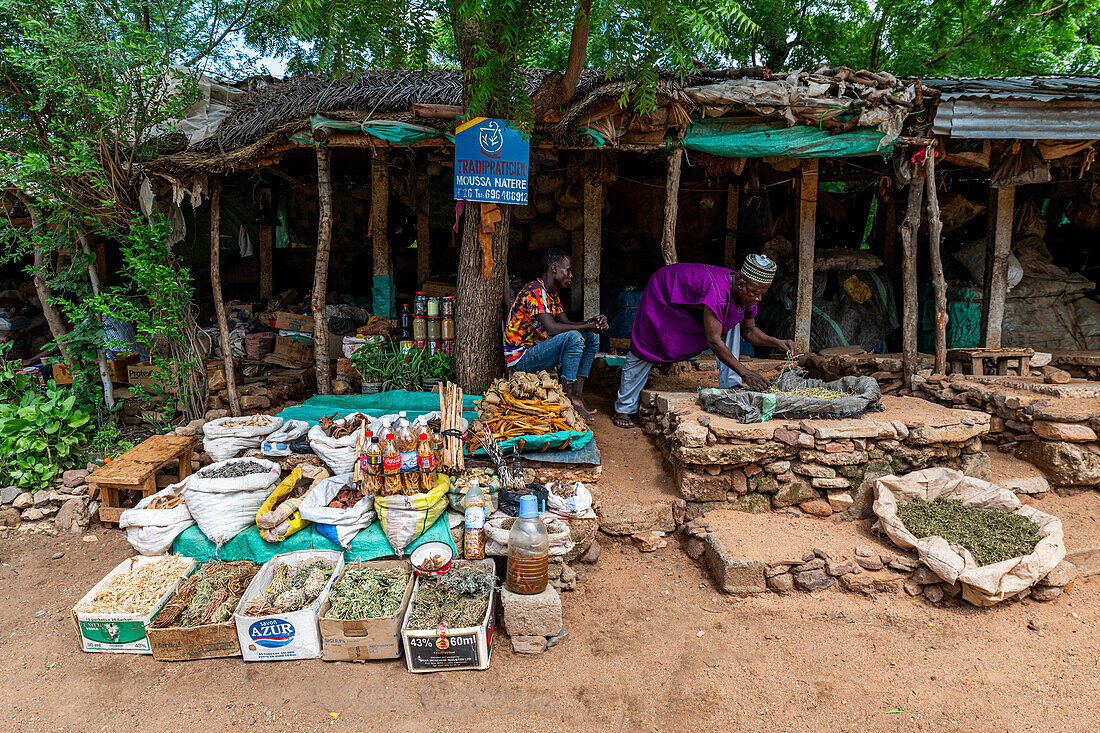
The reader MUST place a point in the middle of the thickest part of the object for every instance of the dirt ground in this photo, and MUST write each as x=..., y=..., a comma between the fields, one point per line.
x=652, y=646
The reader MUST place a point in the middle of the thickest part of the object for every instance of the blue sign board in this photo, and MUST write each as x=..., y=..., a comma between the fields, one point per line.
x=492, y=158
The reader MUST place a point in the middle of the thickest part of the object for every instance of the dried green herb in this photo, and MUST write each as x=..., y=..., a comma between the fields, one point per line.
x=363, y=593
x=819, y=392
x=990, y=536
x=458, y=599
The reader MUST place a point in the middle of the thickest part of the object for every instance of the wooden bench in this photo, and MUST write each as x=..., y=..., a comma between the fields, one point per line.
x=959, y=358
x=136, y=470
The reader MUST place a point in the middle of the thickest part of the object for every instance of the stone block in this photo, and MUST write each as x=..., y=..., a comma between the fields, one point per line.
x=1046, y=592
x=864, y=495
x=813, y=470
x=9, y=517
x=793, y=493
x=830, y=483
x=1086, y=559
x=215, y=414
x=73, y=516
x=778, y=467
x=25, y=500
x=735, y=454
x=695, y=486
x=976, y=465
x=734, y=575
x=1067, y=431
x=1062, y=575
x=752, y=504
x=694, y=548
x=847, y=458
x=630, y=518
x=532, y=615
x=75, y=477
x=813, y=580
x=529, y=644
x=690, y=434
x=933, y=593
x=782, y=583
x=8, y=494
x=1032, y=485
x=839, y=501
x=1065, y=464
x=952, y=432
x=817, y=507
x=764, y=483
x=848, y=429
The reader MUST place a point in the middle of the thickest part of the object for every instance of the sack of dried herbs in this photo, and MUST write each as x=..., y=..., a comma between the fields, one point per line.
x=949, y=519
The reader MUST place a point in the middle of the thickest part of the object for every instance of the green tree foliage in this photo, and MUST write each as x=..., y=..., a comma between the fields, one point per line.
x=90, y=89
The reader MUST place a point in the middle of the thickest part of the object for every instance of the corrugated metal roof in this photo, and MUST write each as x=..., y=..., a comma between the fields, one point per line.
x=1038, y=88
x=1027, y=108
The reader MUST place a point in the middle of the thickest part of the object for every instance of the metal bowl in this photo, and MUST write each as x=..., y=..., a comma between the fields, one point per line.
x=421, y=554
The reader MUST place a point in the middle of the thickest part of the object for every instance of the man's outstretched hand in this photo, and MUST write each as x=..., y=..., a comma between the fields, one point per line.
x=754, y=381
x=789, y=347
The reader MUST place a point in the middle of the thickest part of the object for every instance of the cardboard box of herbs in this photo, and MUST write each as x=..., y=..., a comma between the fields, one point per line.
x=449, y=624
x=197, y=621
x=362, y=617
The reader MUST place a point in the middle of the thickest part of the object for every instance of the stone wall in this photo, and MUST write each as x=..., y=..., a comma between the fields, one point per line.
x=1033, y=424
x=821, y=466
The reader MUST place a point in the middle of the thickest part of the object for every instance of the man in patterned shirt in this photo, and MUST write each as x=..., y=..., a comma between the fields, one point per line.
x=538, y=335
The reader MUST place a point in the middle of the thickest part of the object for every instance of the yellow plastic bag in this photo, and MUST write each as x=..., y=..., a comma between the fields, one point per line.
x=404, y=518
x=278, y=519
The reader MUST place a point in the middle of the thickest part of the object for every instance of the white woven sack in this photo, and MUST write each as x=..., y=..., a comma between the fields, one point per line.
x=347, y=522
x=498, y=528
x=578, y=506
x=982, y=585
x=151, y=531
x=338, y=454
x=223, y=507
x=222, y=442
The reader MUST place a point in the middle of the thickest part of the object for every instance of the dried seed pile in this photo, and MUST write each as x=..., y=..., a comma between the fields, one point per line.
x=990, y=536
x=363, y=593
x=256, y=421
x=817, y=392
x=137, y=590
x=292, y=588
x=209, y=596
x=237, y=469
x=458, y=599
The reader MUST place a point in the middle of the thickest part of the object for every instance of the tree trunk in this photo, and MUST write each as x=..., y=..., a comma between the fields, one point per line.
x=320, y=271
x=672, y=206
x=101, y=355
x=379, y=219
x=939, y=285
x=479, y=355
x=219, y=303
x=53, y=316
x=909, y=277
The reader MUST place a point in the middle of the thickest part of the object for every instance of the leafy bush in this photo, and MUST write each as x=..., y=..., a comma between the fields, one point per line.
x=40, y=437
x=107, y=443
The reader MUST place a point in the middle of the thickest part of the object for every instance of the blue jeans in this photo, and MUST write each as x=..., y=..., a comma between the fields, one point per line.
x=573, y=351
x=636, y=373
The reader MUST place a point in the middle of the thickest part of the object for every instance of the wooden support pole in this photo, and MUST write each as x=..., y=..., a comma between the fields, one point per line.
x=807, y=225
x=733, y=211
x=267, y=249
x=101, y=354
x=423, y=240
x=593, y=237
x=890, y=234
x=672, y=206
x=909, y=277
x=379, y=218
x=939, y=285
x=219, y=302
x=576, y=292
x=50, y=312
x=320, y=271
x=998, y=246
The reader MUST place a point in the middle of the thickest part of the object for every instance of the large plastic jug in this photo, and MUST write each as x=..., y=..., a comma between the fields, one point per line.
x=528, y=550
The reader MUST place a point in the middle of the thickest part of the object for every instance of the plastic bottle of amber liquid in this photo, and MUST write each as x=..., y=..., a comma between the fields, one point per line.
x=528, y=550
x=391, y=468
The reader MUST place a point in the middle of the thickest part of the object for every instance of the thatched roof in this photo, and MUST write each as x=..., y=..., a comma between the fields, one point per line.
x=260, y=120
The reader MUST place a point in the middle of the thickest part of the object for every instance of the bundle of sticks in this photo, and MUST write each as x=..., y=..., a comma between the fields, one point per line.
x=450, y=409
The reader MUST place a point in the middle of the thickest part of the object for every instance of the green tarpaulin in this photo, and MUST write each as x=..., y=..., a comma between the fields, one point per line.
x=738, y=139
x=375, y=405
x=369, y=544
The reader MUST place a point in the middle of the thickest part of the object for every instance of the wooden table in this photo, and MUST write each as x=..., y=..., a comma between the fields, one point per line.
x=960, y=357
x=136, y=470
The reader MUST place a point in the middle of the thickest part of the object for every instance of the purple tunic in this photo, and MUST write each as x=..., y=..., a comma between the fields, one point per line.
x=668, y=326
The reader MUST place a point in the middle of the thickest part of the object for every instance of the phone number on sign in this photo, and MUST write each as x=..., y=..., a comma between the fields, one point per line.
x=491, y=195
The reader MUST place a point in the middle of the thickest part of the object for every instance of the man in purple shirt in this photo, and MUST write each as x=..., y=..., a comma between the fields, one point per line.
x=688, y=308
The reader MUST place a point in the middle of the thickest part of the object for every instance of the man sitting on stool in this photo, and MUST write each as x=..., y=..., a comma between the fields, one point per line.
x=538, y=335
x=687, y=308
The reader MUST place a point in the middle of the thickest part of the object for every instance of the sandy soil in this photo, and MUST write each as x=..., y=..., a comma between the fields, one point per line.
x=652, y=646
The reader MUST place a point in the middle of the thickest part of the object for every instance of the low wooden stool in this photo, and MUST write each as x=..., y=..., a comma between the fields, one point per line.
x=136, y=470
x=961, y=357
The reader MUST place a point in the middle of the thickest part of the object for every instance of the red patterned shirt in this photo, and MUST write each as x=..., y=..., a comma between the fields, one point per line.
x=523, y=329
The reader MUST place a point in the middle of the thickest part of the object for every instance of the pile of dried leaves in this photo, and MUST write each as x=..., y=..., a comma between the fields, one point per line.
x=990, y=536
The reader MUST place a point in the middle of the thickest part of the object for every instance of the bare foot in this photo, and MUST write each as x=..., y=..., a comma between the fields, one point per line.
x=581, y=408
